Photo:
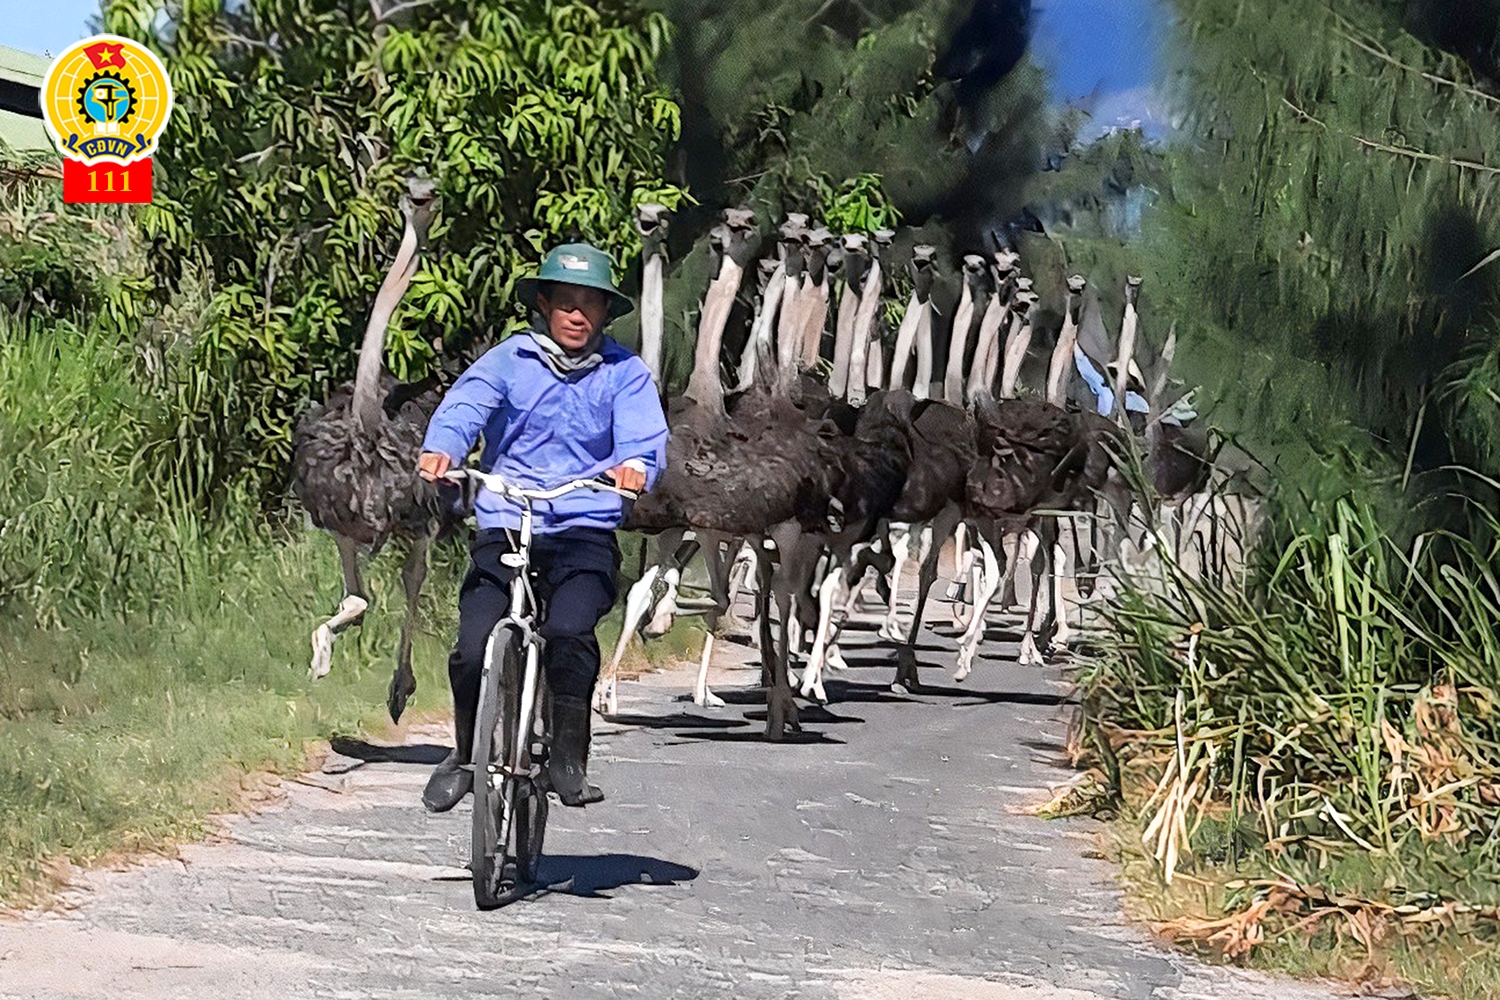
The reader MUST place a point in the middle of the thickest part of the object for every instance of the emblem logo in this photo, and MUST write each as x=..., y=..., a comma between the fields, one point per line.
x=572, y=262
x=106, y=99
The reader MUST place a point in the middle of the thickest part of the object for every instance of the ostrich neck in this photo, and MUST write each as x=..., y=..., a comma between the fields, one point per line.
x=366, y=403
x=1062, y=361
x=953, y=377
x=705, y=386
x=843, y=340
x=652, y=314
x=1016, y=345
x=922, y=385
x=1122, y=358
x=906, y=342
x=986, y=349
x=814, y=298
x=855, y=384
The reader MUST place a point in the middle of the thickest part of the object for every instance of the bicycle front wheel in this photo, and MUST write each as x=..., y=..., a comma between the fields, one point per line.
x=494, y=802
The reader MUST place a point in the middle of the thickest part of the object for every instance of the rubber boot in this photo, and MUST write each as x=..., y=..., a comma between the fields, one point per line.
x=567, y=761
x=450, y=780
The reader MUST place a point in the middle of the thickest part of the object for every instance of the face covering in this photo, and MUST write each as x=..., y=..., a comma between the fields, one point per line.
x=560, y=361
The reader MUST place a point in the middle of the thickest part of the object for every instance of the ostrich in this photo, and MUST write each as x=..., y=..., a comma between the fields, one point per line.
x=731, y=242
x=353, y=460
x=756, y=474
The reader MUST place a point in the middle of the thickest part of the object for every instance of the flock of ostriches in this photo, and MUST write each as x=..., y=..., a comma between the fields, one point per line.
x=836, y=456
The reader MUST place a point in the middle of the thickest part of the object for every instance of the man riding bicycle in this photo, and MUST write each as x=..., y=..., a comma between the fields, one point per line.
x=561, y=402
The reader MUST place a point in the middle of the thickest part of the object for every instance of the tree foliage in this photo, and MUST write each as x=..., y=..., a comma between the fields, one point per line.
x=1325, y=222
x=787, y=98
x=297, y=124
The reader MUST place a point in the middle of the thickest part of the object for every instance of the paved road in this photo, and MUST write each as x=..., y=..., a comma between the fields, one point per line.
x=887, y=858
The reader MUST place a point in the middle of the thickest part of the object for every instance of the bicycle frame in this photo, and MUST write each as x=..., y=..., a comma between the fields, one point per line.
x=522, y=600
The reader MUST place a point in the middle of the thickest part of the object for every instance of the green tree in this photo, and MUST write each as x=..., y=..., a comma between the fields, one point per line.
x=297, y=123
x=787, y=99
x=1328, y=214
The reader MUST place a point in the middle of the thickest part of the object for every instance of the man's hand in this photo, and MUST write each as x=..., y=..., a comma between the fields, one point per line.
x=433, y=465
x=628, y=478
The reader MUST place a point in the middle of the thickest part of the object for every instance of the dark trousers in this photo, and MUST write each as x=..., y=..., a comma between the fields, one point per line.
x=574, y=579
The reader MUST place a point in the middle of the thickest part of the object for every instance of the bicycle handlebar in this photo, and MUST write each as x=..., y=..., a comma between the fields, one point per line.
x=499, y=484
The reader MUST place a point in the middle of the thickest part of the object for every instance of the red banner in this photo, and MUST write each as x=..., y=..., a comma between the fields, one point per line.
x=106, y=183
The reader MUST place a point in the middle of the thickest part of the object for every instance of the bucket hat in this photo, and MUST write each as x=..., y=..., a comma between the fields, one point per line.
x=576, y=264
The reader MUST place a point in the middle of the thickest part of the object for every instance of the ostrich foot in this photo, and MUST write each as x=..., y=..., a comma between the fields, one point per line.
x=835, y=659
x=906, y=680
x=607, y=701
x=403, y=686
x=965, y=664
x=351, y=611
x=322, y=657
x=702, y=696
x=1030, y=655
x=812, y=687
x=781, y=713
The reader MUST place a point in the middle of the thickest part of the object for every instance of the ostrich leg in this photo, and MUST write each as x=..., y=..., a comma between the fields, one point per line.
x=906, y=656
x=1030, y=655
x=413, y=575
x=781, y=705
x=990, y=581
x=719, y=592
x=1063, y=634
x=637, y=602
x=901, y=542
x=351, y=610
x=812, y=677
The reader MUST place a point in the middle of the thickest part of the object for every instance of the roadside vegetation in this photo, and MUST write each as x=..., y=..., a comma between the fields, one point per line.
x=1309, y=759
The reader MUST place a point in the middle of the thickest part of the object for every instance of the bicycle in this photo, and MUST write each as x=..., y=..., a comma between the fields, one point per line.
x=510, y=792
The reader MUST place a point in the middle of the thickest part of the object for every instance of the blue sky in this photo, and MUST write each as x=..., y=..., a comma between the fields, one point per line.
x=1101, y=52
x=1106, y=55
x=46, y=25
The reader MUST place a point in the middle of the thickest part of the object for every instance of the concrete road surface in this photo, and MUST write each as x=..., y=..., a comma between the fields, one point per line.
x=884, y=857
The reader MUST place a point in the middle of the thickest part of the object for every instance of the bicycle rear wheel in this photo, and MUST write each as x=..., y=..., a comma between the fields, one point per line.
x=502, y=805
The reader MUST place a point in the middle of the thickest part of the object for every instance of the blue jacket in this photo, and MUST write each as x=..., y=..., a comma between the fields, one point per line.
x=541, y=430
x=1104, y=396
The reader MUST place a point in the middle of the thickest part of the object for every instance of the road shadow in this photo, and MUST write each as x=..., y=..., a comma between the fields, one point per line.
x=371, y=753
x=994, y=697
x=860, y=693
x=758, y=736
x=677, y=720
x=593, y=875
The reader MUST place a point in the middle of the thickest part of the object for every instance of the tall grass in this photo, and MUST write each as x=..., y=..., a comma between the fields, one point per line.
x=148, y=651
x=1330, y=729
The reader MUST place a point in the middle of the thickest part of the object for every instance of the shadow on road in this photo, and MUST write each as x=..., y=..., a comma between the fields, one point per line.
x=757, y=736
x=370, y=753
x=995, y=697
x=678, y=720
x=591, y=876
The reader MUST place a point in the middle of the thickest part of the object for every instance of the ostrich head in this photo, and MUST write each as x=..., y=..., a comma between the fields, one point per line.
x=735, y=237
x=974, y=273
x=923, y=261
x=651, y=222
x=854, y=256
x=1076, y=285
x=818, y=242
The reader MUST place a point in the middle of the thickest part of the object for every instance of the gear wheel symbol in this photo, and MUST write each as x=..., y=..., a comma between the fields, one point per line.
x=123, y=84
